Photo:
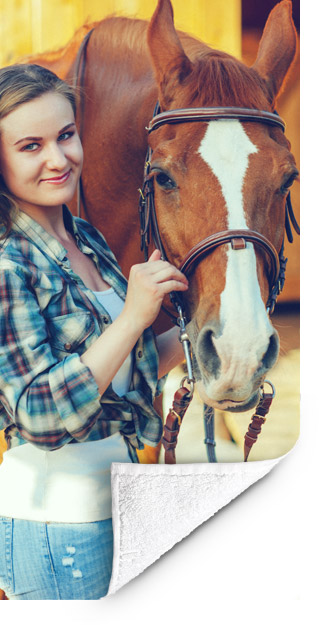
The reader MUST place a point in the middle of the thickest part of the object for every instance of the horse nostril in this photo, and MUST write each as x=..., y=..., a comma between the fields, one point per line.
x=270, y=356
x=207, y=353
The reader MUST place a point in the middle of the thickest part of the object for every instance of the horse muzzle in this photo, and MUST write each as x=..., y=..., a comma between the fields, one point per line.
x=230, y=370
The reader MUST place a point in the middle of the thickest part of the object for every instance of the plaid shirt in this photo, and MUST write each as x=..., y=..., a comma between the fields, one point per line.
x=48, y=318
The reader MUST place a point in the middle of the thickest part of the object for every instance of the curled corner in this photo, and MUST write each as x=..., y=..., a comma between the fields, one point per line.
x=156, y=506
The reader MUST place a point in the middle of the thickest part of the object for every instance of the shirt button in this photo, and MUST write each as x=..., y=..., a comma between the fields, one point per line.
x=105, y=319
x=67, y=346
x=139, y=353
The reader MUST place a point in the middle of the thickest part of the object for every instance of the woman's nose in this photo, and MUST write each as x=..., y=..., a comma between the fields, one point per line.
x=55, y=157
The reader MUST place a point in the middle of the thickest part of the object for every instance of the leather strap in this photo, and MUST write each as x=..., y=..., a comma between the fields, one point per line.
x=257, y=421
x=210, y=113
x=237, y=239
x=181, y=401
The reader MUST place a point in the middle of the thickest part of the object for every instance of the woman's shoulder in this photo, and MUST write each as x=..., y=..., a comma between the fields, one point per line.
x=95, y=237
x=12, y=246
x=85, y=227
x=16, y=253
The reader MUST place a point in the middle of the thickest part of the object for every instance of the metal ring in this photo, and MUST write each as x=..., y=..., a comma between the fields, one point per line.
x=191, y=382
x=270, y=384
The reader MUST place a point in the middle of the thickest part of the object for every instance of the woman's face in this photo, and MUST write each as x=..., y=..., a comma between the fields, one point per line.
x=40, y=153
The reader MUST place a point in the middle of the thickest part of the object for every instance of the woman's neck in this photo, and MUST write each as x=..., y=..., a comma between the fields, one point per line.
x=50, y=218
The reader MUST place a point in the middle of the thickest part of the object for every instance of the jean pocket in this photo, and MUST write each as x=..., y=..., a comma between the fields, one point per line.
x=6, y=565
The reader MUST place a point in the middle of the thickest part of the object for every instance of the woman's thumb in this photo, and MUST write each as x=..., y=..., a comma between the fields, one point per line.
x=156, y=255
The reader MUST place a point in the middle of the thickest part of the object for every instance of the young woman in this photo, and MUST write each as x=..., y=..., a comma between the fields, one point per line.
x=79, y=364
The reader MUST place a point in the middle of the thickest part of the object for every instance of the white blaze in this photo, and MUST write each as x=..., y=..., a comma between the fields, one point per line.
x=244, y=323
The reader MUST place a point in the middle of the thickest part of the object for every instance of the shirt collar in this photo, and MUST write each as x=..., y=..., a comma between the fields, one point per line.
x=34, y=231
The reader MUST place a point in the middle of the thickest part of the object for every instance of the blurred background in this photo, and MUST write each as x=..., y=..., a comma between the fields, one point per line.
x=34, y=26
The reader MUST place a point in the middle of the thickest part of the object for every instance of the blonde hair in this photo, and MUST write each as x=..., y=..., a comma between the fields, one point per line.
x=20, y=84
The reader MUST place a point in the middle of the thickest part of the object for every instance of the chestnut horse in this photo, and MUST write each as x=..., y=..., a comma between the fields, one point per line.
x=209, y=176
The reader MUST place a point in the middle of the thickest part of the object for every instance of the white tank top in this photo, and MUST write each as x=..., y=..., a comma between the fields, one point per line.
x=71, y=484
x=114, y=306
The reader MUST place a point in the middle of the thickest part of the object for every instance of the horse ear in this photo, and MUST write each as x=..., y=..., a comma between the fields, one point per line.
x=277, y=48
x=170, y=62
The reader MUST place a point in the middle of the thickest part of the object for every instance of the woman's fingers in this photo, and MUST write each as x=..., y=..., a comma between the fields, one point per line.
x=171, y=285
x=156, y=255
x=147, y=286
x=161, y=269
x=169, y=273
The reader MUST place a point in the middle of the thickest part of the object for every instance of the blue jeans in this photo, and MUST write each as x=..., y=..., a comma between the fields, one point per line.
x=55, y=560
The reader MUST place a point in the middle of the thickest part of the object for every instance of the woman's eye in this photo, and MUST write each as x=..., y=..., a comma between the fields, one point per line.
x=30, y=147
x=164, y=181
x=66, y=135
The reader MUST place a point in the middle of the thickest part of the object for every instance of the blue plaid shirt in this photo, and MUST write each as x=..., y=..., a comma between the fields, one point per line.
x=48, y=318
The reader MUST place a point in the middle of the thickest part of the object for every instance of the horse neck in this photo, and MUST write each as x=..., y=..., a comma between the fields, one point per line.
x=119, y=68
x=61, y=61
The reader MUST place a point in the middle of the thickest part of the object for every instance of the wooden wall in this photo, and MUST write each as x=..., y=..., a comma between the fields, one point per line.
x=33, y=26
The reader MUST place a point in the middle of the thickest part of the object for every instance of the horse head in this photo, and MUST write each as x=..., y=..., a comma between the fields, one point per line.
x=214, y=176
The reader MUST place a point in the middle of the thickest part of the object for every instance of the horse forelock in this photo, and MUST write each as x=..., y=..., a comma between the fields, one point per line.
x=218, y=79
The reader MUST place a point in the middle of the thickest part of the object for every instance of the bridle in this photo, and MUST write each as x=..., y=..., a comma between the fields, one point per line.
x=237, y=238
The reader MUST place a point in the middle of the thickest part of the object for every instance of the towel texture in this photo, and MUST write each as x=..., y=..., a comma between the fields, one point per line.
x=156, y=506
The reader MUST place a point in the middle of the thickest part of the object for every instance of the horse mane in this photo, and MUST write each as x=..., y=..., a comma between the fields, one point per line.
x=124, y=33
x=227, y=81
x=53, y=55
x=61, y=59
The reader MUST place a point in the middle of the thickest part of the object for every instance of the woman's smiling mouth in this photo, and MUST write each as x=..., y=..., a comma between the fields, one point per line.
x=57, y=179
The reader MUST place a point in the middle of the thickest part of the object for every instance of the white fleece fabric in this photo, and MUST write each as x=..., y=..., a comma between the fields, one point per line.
x=156, y=506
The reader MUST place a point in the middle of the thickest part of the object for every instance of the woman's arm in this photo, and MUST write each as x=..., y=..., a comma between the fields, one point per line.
x=170, y=351
x=52, y=401
x=148, y=284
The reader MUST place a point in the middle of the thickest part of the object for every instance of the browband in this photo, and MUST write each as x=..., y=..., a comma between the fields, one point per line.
x=211, y=113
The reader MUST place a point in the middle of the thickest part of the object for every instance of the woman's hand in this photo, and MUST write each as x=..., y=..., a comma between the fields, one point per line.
x=148, y=284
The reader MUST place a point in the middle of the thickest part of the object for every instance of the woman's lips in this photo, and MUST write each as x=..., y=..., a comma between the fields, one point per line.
x=58, y=179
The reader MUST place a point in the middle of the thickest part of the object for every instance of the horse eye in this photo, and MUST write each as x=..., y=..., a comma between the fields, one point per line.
x=164, y=181
x=289, y=182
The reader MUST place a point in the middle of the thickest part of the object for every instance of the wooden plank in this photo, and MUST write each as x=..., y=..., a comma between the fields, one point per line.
x=15, y=29
x=59, y=20
x=33, y=26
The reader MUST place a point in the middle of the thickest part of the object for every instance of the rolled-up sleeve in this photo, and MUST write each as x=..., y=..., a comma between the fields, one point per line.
x=50, y=401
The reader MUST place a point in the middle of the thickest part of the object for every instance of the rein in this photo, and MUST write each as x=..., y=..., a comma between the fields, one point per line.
x=238, y=240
